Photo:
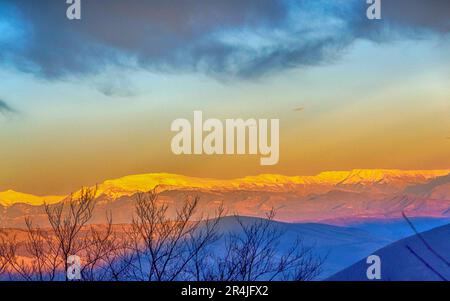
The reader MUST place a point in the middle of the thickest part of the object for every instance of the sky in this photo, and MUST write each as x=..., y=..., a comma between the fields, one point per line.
x=93, y=99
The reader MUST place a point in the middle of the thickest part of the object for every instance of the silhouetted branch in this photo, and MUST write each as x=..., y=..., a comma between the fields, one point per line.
x=422, y=239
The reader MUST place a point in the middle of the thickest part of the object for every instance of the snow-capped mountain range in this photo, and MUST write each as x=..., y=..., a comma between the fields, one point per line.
x=335, y=197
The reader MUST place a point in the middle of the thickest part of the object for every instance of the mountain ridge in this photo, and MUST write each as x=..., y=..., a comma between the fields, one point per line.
x=390, y=179
x=11, y=197
x=399, y=263
x=144, y=182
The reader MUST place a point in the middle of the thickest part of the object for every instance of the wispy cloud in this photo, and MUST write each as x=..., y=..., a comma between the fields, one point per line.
x=298, y=109
x=6, y=109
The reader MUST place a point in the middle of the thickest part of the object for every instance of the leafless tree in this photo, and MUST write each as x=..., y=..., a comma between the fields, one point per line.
x=40, y=262
x=107, y=255
x=44, y=253
x=97, y=244
x=164, y=247
x=428, y=246
x=157, y=246
x=7, y=250
x=48, y=250
x=67, y=219
x=117, y=263
x=253, y=253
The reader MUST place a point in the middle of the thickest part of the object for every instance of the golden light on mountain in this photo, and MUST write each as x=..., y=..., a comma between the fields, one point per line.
x=129, y=185
x=11, y=197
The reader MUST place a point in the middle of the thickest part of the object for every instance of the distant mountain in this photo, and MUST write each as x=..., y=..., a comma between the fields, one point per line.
x=11, y=197
x=438, y=188
x=358, y=179
x=340, y=246
x=395, y=229
x=409, y=259
x=339, y=197
x=343, y=246
x=377, y=179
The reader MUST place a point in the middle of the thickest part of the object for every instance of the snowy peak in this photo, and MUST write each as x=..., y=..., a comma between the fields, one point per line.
x=386, y=176
x=325, y=181
x=11, y=197
x=271, y=182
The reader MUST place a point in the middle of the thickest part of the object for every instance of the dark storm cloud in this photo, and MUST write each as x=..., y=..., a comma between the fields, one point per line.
x=179, y=36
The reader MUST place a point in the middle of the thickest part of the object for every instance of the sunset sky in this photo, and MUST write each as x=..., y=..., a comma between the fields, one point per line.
x=89, y=100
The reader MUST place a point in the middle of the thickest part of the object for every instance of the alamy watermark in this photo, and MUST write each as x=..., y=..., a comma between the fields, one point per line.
x=233, y=136
x=73, y=11
x=73, y=267
x=374, y=270
x=374, y=10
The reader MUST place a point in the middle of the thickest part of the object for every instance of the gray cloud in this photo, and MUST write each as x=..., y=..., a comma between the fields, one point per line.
x=187, y=36
x=5, y=109
x=159, y=35
x=431, y=14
